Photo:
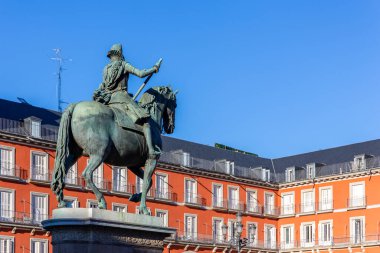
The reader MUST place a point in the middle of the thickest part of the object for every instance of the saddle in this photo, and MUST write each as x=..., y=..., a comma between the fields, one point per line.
x=123, y=120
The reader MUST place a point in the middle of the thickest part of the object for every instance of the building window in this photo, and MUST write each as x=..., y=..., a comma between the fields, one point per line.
x=40, y=166
x=38, y=246
x=307, y=234
x=6, y=204
x=307, y=201
x=252, y=201
x=190, y=226
x=6, y=244
x=357, y=230
x=325, y=233
x=139, y=183
x=182, y=158
x=287, y=236
x=163, y=214
x=269, y=237
x=269, y=204
x=217, y=192
x=121, y=208
x=287, y=207
x=225, y=166
x=92, y=203
x=252, y=234
x=138, y=210
x=71, y=176
x=359, y=162
x=290, y=174
x=71, y=202
x=217, y=230
x=310, y=171
x=233, y=198
x=39, y=207
x=35, y=128
x=162, y=186
x=190, y=191
x=119, y=179
x=325, y=199
x=357, y=195
x=97, y=176
x=7, y=166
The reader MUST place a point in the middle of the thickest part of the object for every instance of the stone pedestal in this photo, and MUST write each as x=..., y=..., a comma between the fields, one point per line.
x=86, y=230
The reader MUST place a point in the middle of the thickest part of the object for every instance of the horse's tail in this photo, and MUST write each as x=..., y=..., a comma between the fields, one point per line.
x=62, y=152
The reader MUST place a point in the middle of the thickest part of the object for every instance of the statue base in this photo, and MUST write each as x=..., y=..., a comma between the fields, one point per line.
x=86, y=230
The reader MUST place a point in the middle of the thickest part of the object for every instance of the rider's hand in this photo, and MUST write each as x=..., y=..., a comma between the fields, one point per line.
x=157, y=65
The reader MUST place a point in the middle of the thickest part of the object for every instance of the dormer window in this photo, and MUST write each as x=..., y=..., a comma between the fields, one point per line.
x=360, y=162
x=183, y=158
x=225, y=166
x=310, y=170
x=33, y=126
x=290, y=174
x=261, y=173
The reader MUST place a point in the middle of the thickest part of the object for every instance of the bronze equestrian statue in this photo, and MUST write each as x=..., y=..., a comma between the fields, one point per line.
x=114, y=129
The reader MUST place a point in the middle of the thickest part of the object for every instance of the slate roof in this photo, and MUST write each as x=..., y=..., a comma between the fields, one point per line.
x=19, y=111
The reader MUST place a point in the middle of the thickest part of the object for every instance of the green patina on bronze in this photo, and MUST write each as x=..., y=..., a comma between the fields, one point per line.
x=115, y=129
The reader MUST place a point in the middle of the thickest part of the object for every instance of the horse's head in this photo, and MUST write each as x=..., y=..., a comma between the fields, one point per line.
x=161, y=102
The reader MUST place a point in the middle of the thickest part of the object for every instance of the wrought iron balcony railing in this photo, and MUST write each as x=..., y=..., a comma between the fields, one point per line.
x=8, y=170
x=357, y=202
x=10, y=216
x=194, y=199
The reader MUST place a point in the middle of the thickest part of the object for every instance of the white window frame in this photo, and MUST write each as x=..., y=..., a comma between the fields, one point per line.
x=272, y=243
x=287, y=208
x=166, y=217
x=165, y=193
x=192, y=198
x=233, y=203
x=98, y=180
x=45, y=241
x=303, y=236
x=357, y=202
x=250, y=243
x=73, y=172
x=74, y=199
x=10, y=168
x=92, y=201
x=284, y=244
x=352, y=229
x=328, y=206
x=320, y=233
x=252, y=206
x=8, y=214
x=125, y=206
x=35, y=128
x=45, y=176
x=10, y=249
x=121, y=185
x=290, y=174
x=271, y=210
x=215, y=235
x=195, y=233
x=265, y=174
x=41, y=194
x=231, y=224
x=217, y=202
x=311, y=208
x=310, y=170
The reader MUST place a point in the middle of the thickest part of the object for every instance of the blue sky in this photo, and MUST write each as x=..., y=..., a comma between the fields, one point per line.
x=272, y=77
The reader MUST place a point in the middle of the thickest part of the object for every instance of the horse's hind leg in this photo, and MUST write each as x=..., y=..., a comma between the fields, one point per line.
x=136, y=197
x=93, y=163
x=69, y=162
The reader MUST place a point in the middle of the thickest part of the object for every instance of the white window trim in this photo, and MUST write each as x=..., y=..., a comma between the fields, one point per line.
x=126, y=176
x=303, y=201
x=229, y=236
x=256, y=231
x=282, y=237
x=237, y=201
x=40, y=194
x=364, y=226
x=302, y=236
x=39, y=240
x=265, y=204
x=166, y=222
x=75, y=166
x=320, y=199
x=88, y=201
x=213, y=194
x=212, y=225
x=36, y=152
x=75, y=199
x=13, y=192
x=184, y=187
x=12, y=238
x=351, y=197
x=256, y=201
x=120, y=205
x=273, y=243
x=166, y=181
x=282, y=203
x=13, y=150
x=287, y=171
x=196, y=222
x=320, y=232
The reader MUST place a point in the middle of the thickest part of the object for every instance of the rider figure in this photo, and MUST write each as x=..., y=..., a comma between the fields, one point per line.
x=115, y=86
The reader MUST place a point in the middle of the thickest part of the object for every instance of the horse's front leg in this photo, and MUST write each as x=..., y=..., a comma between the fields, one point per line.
x=150, y=166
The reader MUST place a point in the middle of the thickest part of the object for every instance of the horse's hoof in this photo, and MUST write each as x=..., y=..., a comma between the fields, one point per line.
x=135, y=197
x=102, y=204
x=144, y=210
x=61, y=204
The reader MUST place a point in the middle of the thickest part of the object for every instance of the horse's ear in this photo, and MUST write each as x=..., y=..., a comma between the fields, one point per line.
x=176, y=92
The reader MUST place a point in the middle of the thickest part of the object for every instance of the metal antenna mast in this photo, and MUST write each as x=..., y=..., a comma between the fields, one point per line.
x=60, y=62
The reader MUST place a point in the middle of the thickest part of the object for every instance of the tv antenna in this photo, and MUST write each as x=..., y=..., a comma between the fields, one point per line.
x=58, y=58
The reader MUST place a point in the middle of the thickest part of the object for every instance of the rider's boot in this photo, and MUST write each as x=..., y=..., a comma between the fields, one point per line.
x=153, y=151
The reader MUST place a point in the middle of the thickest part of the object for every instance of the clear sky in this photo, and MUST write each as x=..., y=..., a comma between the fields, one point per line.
x=272, y=77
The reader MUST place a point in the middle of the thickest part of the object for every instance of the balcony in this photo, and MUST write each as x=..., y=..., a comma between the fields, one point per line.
x=270, y=210
x=21, y=218
x=163, y=195
x=357, y=203
x=126, y=188
x=253, y=208
x=288, y=210
x=326, y=206
x=307, y=208
x=227, y=205
x=102, y=184
x=195, y=200
x=11, y=171
x=39, y=175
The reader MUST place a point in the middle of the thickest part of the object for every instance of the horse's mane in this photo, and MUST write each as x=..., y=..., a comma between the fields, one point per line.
x=154, y=94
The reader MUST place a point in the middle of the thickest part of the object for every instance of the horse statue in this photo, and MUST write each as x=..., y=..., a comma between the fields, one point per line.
x=93, y=129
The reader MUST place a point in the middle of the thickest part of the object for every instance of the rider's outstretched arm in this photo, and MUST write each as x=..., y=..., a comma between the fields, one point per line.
x=139, y=72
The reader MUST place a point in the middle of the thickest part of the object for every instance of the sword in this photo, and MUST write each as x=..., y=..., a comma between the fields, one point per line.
x=146, y=80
